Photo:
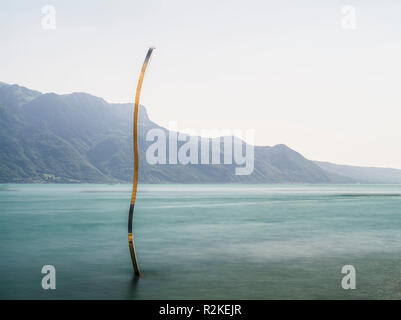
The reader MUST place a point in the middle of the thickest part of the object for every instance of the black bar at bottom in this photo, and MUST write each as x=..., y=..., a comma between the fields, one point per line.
x=197, y=309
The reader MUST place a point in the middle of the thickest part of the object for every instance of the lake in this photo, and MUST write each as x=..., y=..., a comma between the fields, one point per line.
x=201, y=241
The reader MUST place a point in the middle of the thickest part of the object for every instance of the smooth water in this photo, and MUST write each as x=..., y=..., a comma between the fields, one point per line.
x=201, y=241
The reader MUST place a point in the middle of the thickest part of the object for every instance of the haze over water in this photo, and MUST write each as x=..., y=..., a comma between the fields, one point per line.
x=201, y=241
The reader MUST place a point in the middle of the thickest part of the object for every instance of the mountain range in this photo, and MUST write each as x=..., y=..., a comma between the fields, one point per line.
x=80, y=138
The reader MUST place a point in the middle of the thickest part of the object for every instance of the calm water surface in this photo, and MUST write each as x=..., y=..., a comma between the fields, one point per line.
x=201, y=241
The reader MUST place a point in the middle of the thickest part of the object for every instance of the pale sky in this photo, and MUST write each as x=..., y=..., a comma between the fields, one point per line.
x=287, y=69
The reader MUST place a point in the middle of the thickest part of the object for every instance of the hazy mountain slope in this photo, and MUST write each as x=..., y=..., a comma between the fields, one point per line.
x=363, y=174
x=81, y=138
x=15, y=95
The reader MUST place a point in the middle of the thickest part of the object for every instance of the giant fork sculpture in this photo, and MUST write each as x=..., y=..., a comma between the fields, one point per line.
x=135, y=183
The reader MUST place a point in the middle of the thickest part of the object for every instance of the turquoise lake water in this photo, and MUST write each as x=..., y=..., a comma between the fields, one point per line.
x=201, y=241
